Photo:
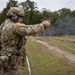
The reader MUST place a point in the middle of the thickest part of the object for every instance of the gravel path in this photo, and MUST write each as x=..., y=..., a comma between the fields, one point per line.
x=65, y=55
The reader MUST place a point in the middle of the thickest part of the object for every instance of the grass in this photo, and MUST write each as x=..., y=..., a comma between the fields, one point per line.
x=64, y=45
x=43, y=63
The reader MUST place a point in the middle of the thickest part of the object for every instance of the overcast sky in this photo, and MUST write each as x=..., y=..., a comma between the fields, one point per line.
x=53, y=5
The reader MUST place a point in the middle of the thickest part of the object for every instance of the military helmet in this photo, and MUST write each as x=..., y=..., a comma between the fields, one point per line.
x=17, y=10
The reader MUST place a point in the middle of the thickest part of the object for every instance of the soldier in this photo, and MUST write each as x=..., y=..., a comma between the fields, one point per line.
x=13, y=39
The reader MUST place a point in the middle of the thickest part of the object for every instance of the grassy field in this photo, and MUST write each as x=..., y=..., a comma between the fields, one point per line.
x=64, y=45
x=43, y=63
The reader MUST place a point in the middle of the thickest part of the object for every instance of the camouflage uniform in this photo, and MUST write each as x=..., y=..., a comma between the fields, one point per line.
x=9, y=41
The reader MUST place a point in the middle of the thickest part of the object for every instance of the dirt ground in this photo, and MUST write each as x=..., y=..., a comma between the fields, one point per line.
x=66, y=56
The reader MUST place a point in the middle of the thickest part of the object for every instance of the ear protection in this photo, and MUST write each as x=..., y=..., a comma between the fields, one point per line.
x=13, y=16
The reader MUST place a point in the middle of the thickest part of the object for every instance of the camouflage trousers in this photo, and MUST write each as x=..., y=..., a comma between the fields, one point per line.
x=9, y=65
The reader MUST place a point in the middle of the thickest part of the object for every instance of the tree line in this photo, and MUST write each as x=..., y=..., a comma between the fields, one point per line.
x=62, y=21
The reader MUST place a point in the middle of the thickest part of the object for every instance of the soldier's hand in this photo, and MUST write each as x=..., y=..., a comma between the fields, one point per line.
x=46, y=23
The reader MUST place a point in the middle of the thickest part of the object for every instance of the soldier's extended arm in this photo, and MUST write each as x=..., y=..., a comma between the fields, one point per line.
x=22, y=29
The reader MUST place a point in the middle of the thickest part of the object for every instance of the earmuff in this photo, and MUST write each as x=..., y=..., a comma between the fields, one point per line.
x=14, y=16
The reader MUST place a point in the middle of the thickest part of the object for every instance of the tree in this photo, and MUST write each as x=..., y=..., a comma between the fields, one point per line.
x=63, y=12
x=73, y=13
x=5, y=10
x=12, y=3
x=30, y=8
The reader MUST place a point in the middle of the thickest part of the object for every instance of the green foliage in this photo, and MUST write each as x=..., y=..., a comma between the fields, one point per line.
x=64, y=12
x=73, y=13
x=3, y=15
x=5, y=10
x=12, y=3
x=30, y=9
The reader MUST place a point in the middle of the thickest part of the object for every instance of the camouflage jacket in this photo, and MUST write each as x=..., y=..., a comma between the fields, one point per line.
x=11, y=31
